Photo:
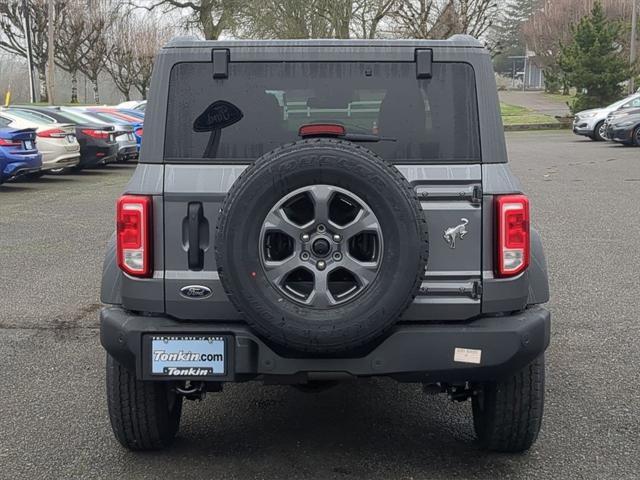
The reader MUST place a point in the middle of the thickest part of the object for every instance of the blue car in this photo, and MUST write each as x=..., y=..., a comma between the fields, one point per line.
x=132, y=113
x=18, y=153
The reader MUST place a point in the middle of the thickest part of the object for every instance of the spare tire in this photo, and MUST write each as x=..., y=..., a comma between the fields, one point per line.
x=321, y=245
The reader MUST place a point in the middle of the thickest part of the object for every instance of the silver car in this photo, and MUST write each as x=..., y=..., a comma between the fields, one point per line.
x=56, y=141
x=127, y=145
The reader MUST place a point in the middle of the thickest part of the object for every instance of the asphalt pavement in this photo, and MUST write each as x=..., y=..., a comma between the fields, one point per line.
x=53, y=419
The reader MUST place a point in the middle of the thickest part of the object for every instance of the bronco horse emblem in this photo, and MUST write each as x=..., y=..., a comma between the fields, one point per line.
x=451, y=233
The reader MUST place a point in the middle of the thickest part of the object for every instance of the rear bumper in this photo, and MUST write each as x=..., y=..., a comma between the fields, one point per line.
x=93, y=155
x=63, y=161
x=418, y=353
x=127, y=153
x=19, y=168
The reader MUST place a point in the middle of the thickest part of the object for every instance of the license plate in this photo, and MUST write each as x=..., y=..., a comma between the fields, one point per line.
x=130, y=136
x=71, y=138
x=28, y=145
x=111, y=139
x=188, y=356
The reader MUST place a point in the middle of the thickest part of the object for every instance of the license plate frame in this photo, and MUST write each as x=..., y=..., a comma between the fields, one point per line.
x=28, y=145
x=172, y=343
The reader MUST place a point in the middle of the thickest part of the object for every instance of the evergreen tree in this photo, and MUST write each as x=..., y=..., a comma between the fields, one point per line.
x=593, y=62
x=506, y=38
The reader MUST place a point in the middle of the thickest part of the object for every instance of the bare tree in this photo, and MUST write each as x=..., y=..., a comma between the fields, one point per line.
x=51, y=62
x=284, y=19
x=96, y=48
x=209, y=17
x=338, y=14
x=148, y=37
x=313, y=18
x=13, y=39
x=72, y=41
x=443, y=18
x=369, y=14
x=121, y=60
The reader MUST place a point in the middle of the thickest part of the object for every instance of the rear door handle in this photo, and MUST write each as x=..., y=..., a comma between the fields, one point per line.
x=195, y=254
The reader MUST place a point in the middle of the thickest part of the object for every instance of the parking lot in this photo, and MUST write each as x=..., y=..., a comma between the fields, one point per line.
x=53, y=421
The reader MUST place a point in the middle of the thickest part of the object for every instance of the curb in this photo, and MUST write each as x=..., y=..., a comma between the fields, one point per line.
x=536, y=126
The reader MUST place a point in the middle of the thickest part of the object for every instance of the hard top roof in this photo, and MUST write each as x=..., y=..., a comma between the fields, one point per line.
x=459, y=41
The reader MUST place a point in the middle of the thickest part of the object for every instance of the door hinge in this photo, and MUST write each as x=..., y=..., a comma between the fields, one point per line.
x=220, y=59
x=476, y=195
x=476, y=291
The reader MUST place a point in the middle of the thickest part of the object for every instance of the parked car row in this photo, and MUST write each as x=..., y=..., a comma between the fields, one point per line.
x=618, y=122
x=38, y=140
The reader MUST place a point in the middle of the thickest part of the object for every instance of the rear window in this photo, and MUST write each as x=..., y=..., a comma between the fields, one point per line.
x=77, y=117
x=431, y=119
x=32, y=116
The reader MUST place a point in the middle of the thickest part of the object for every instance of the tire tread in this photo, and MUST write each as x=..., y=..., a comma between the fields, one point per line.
x=512, y=414
x=136, y=412
x=264, y=163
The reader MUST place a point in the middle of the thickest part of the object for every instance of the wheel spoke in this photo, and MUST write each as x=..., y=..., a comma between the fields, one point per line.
x=321, y=196
x=277, y=271
x=365, y=272
x=364, y=221
x=321, y=296
x=310, y=267
x=277, y=220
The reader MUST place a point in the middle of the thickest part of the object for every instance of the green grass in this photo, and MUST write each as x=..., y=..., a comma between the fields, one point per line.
x=564, y=99
x=516, y=115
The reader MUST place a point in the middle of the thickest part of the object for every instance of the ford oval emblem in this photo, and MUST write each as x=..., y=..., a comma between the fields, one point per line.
x=195, y=291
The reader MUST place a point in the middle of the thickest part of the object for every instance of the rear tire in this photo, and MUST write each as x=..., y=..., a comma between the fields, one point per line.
x=144, y=415
x=507, y=415
x=636, y=137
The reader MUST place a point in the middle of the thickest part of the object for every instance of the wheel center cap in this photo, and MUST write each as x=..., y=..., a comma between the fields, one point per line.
x=321, y=247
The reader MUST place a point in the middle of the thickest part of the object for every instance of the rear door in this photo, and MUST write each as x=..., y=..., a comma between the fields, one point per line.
x=427, y=126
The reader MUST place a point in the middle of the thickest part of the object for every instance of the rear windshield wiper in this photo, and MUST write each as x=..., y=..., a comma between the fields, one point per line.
x=366, y=137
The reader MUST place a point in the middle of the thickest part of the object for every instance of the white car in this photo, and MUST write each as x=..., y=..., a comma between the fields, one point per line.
x=56, y=141
x=131, y=104
x=591, y=123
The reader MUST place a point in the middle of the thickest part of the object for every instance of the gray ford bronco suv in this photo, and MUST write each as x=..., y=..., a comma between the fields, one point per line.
x=306, y=212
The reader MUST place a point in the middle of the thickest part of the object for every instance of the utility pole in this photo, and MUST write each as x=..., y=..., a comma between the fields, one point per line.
x=51, y=65
x=27, y=34
x=634, y=26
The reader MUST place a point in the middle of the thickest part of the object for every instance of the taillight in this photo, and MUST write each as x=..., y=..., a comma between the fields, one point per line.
x=52, y=133
x=139, y=131
x=101, y=134
x=512, y=214
x=9, y=143
x=133, y=232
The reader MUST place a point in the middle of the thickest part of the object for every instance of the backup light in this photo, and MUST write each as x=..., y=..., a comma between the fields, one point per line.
x=133, y=235
x=512, y=214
